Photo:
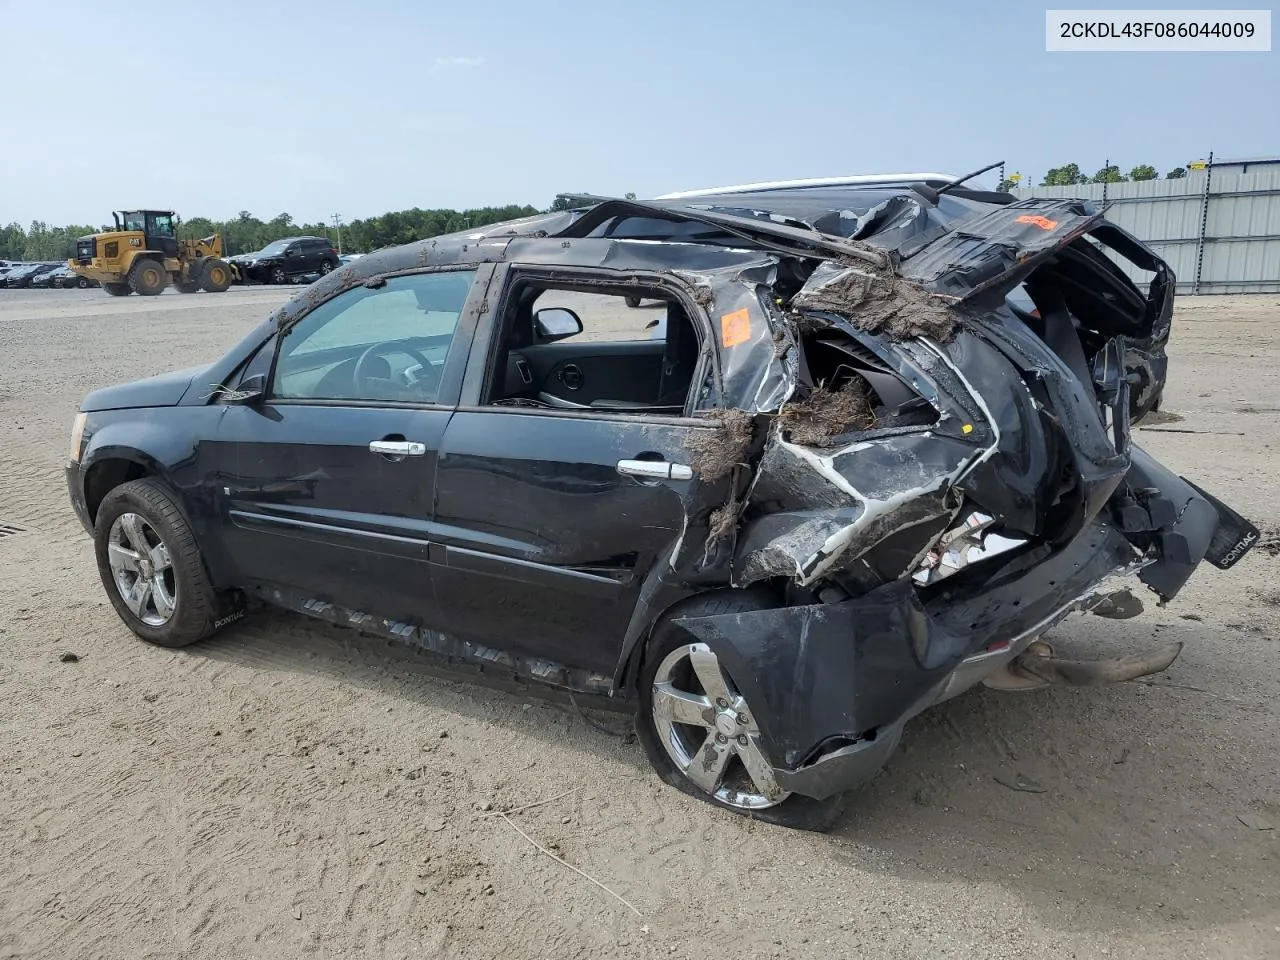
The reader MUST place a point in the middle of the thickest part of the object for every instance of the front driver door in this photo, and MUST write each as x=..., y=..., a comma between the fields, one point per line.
x=326, y=487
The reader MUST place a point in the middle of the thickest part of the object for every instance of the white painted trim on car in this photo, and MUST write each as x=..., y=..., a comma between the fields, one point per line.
x=860, y=179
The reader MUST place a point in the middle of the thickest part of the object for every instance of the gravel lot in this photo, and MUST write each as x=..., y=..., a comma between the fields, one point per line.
x=287, y=790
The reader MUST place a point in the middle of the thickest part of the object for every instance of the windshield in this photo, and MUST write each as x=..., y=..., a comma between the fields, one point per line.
x=274, y=249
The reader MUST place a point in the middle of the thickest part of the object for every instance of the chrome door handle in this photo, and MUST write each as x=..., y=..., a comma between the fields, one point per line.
x=655, y=469
x=398, y=448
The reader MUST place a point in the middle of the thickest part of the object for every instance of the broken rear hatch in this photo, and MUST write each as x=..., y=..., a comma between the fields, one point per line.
x=925, y=535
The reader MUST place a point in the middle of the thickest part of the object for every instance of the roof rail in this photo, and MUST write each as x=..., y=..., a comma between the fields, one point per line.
x=859, y=180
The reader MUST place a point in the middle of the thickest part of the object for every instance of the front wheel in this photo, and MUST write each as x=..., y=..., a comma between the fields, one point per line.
x=278, y=275
x=150, y=565
x=148, y=277
x=215, y=276
x=702, y=736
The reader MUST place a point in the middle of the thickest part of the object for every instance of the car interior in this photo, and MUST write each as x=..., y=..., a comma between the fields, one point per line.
x=387, y=344
x=576, y=348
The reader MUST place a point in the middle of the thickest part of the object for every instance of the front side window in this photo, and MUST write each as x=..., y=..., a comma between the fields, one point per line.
x=388, y=343
x=162, y=225
x=135, y=221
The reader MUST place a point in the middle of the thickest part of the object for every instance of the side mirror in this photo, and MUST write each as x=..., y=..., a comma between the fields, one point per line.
x=556, y=323
x=249, y=392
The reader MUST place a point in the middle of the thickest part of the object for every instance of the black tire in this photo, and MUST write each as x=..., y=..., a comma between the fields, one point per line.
x=277, y=275
x=82, y=283
x=148, y=277
x=188, y=287
x=328, y=266
x=632, y=302
x=215, y=276
x=796, y=812
x=118, y=289
x=195, y=603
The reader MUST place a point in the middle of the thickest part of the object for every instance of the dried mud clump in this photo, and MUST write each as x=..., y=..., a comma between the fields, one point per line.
x=723, y=522
x=717, y=452
x=879, y=302
x=826, y=414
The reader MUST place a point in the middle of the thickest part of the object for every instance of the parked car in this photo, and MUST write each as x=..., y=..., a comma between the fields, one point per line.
x=52, y=276
x=65, y=277
x=847, y=484
x=22, y=275
x=282, y=260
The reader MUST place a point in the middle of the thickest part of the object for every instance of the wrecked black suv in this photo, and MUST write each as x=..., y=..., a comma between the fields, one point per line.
x=861, y=445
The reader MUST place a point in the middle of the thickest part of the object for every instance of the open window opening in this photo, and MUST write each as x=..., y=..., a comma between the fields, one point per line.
x=604, y=349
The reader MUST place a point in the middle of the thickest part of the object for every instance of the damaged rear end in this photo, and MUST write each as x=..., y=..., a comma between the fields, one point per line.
x=940, y=469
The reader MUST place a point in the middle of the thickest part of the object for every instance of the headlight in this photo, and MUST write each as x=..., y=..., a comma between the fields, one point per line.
x=77, y=436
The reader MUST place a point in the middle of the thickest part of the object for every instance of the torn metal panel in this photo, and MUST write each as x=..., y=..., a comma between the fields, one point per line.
x=830, y=674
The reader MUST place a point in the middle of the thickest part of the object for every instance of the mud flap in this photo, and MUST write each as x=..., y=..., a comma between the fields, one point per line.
x=1161, y=507
x=1234, y=537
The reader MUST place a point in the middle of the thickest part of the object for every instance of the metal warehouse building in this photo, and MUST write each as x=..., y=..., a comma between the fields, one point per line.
x=1218, y=228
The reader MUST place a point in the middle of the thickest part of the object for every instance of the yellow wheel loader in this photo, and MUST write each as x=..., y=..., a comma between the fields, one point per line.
x=143, y=255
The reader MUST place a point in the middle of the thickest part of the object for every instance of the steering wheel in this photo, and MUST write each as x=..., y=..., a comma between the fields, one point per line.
x=362, y=375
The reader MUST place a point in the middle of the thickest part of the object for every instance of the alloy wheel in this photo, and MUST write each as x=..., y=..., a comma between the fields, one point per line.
x=142, y=569
x=709, y=731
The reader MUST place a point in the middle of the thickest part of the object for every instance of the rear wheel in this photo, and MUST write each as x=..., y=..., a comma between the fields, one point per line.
x=327, y=266
x=150, y=565
x=632, y=302
x=82, y=283
x=118, y=289
x=215, y=276
x=148, y=277
x=701, y=735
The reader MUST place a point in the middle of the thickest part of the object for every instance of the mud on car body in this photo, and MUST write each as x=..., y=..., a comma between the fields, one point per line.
x=880, y=445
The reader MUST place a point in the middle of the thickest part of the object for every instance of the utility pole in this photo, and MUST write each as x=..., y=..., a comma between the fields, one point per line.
x=337, y=223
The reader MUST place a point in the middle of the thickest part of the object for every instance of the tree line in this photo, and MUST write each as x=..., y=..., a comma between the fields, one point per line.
x=1070, y=174
x=246, y=233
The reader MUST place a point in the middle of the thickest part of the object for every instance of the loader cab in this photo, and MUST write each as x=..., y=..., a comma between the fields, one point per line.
x=156, y=225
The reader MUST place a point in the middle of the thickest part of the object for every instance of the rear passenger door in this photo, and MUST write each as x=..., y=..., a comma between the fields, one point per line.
x=553, y=518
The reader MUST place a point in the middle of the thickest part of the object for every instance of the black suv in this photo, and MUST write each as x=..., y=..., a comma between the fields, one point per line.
x=849, y=481
x=283, y=260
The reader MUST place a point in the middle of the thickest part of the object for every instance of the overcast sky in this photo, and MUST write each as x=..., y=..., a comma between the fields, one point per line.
x=365, y=106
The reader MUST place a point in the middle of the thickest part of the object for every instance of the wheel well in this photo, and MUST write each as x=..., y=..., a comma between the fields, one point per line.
x=766, y=594
x=105, y=476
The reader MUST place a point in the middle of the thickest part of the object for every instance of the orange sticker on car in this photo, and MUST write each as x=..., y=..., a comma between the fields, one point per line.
x=735, y=328
x=1044, y=223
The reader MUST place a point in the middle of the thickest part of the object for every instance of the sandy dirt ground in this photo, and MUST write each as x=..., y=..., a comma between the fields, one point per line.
x=286, y=790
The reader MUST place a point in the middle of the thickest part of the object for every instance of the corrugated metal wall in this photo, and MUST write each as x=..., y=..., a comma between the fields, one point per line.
x=1234, y=236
